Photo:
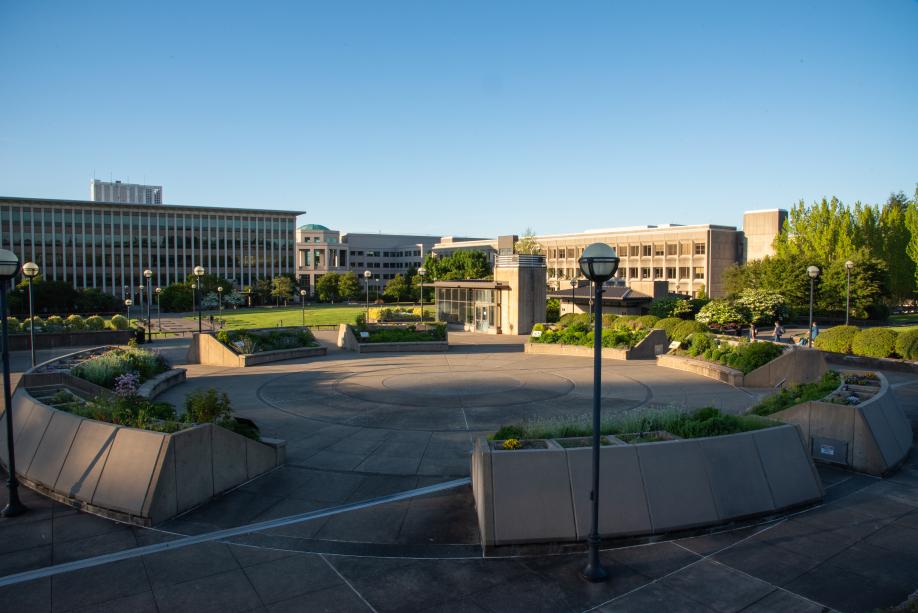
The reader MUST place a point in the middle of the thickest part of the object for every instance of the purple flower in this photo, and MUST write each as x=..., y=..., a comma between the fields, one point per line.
x=127, y=384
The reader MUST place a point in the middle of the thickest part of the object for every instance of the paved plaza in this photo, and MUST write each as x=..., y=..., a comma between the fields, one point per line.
x=345, y=524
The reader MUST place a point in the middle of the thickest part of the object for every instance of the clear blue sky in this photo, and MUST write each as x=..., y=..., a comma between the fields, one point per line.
x=461, y=117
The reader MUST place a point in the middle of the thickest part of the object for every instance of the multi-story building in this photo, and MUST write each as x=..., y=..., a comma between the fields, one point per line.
x=108, y=245
x=125, y=193
x=690, y=258
x=320, y=251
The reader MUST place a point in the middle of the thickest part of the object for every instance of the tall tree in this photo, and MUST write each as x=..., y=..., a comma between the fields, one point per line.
x=282, y=288
x=348, y=286
x=328, y=287
x=527, y=244
x=397, y=288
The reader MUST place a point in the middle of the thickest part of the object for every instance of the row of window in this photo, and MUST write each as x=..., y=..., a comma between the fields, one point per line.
x=669, y=272
x=650, y=250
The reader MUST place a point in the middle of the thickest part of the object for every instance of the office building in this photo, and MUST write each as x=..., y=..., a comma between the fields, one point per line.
x=107, y=246
x=125, y=193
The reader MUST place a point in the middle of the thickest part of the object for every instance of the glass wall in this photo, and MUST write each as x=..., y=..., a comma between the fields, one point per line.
x=476, y=309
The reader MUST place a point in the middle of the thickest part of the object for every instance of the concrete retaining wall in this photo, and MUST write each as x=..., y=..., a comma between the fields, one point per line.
x=530, y=496
x=873, y=437
x=650, y=346
x=161, y=382
x=206, y=349
x=52, y=340
x=347, y=340
x=793, y=367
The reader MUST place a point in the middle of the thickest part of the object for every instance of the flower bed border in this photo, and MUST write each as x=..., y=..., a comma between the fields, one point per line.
x=796, y=365
x=347, y=340
x=647, y=349
x=206, y=349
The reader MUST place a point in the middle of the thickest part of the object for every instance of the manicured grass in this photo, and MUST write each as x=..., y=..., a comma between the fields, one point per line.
x=287, y=316
x=905, y=318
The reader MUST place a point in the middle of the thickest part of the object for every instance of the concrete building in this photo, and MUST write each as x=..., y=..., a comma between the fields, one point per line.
x=759, y=231
x=125, y=193
x=321, y=250
x=108, y=245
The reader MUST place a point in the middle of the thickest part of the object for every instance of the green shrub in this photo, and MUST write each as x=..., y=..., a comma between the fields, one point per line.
x=54, y=323
x=720, y=312
x=648, y=321
x=104, y=369
x=13, y=324
x=906, y=344
x=409, y=334
x=804, y=392
x=207, y=406
x=749, y=356
x=75, y=322
x=875, y=343
x=119, y=322
x=37, y=322
x=538, y=328
x=663, y=307
x=837, y=339
x=686, y=329
x=257, y=341
x=94, y=323
x=566, y=319
x=608, y=320
x=552, y=310
x=668, y=324
x=697, y=343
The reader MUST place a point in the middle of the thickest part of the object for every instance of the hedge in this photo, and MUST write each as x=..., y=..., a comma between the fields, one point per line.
x=907, y=345
x=837, y=339
x=687, y=328
x=668, y=324
x=874, y=343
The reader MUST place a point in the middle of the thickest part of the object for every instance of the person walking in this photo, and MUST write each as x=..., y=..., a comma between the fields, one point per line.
x=778, y=331
x=752, y=331
x=814, y=332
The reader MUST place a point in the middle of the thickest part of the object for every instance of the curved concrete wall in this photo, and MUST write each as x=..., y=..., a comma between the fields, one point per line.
x=794, y=367
x=528, y=496
x=873, y=437
x=649, y=347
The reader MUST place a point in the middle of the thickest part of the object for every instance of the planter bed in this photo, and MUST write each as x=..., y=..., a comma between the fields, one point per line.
x=870, y=434
x=793, y=367
x=206, y=349
x=348, y=339
x=53, y=340
x=543, y=495
x=646, y=349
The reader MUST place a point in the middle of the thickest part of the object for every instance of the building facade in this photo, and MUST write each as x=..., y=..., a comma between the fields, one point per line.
x=125, y=193
x=108, y=246
x=321, y=250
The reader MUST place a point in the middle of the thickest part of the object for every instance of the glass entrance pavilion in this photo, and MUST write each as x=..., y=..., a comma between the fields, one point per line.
x=475, y=305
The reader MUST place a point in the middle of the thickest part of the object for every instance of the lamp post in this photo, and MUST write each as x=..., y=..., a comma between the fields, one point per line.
x=598, y=264
x=248, y=296
x=303, y=301
x=220, y=301
x=366, y=281
x=127, y=307
x=148, y=274
x=9, y=266
x=159, y=311
x=422, y=272
x=813, y=272
x=30, y=270
x=141, y=302
x=573, y=287
x=848, y=266
x=198, y=273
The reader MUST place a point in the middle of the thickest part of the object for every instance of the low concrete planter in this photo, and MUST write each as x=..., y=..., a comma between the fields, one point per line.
x=539, y=495
x=873, y=437
x=206, y=349
x=53, y=340
x=347, y=340
x=794, y=367
x=649, y=347
x=860, y=361
x=161, y=382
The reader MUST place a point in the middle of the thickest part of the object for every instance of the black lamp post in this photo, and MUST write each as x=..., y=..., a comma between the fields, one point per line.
x=141, y=303
x=159, y=311
x=598, y=264
x=848, y=266
x=366, y=282
x=9, y=266
x=127, y=309
x=220, y=302
x=303, y=301
x=813, y=272
x=573, y=287
x=148, y=274
x=198, y=273
x=30, y=270
x=422, y=272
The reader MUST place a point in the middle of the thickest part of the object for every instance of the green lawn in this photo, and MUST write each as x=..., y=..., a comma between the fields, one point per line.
x=288, y=316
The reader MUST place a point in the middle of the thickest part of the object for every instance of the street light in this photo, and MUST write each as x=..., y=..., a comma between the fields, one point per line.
x=159, y=311
x=220, y=301
x=848, y=266
x=598, y=264
x=813, y=272
x=149, y=276
x=303, y=303
x=422, y=272
x=366, y=282
x=141, y=302
x=30, y=270
x=574, y=285
x=127, y=307
x=198, y=273
x=9, y=266
x=248, y=296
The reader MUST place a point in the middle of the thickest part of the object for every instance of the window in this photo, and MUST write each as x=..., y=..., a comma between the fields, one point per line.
x=685, y=248
x=672, y=249
x=632, y=273
x=683, y=272
x=698, y=272
x=645, y=273
x=647, y=250
x=634, y=250
x=699, y=248
x=658, y=249
x=671, y=272
x=657, y=273
x=562, y=253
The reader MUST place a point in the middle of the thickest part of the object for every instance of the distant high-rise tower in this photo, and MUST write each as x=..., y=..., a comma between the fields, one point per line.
x=126, y=193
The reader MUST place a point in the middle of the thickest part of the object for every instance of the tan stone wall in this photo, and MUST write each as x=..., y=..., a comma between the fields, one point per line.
x=759, y=230
x=524, y=305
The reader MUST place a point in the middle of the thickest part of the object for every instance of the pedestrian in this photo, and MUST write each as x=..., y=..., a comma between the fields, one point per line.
x=814, y=332
x=752, y=332
x=778, y=331
x=211, y=322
